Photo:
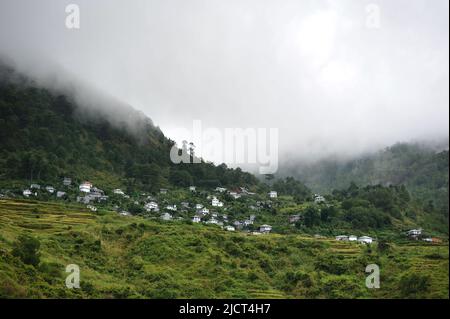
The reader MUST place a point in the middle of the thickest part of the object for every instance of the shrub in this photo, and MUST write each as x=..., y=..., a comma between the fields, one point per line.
x=332, y=264
x=383, y=246
x=51, y=272
x=414, y=285
x=340, y=287
x=27, y=249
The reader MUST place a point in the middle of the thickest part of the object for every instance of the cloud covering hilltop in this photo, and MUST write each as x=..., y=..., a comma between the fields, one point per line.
x=317, y=70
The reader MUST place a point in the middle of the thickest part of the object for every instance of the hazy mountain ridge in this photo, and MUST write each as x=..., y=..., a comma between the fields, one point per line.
x=422, y=169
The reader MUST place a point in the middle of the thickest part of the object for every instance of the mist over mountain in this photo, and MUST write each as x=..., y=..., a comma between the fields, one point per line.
x=46, y=134
x=421, y=167
x=90, y=102
x=315, y=70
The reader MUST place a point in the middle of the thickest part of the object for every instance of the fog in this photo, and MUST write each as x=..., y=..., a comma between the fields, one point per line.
x=335, y=77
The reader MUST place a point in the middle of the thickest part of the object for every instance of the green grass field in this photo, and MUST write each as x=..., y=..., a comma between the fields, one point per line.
x=131, y=257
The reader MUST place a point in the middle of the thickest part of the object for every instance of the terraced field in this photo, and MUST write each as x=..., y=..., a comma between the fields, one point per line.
x=131, y=257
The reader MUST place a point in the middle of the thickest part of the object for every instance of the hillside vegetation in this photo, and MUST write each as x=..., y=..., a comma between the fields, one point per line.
x=132, y=257
x=423, y=170
x=125, y=250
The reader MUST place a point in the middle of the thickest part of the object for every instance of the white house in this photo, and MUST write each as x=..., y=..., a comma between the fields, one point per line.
x=166, y=216
x=27, y=193
x=212, y=221
x=230, y=228
x=248, y=222
x=118, y=191
x=318, y=198
x=85, y=187
x=238, y=224
x=245, y=191
x=60, y=194
x=124, y=213
x=234, y=195
x=192, y=188
x=352, y=238
x=67, y=181
x=204, y=211
x=342, y=237
x=163, y=191
x=151, y=207
x=172, y=208
x=198, y=206
x=365, y=240
x=414, y=233
x=216, y=203
x=294, y=218
x=50, y=189
x=265, y=229
x=91, y=208
x=273, y=194
x=196, y=219
x=185, y=204
x=97, y=190
x=220, y=189
x=35, y=186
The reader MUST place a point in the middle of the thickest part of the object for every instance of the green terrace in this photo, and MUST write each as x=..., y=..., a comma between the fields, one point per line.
x=134, y=257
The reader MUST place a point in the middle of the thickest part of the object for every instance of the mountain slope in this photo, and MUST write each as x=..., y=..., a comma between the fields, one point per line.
x=422, y=170
x=45, y=136
x=132, y=257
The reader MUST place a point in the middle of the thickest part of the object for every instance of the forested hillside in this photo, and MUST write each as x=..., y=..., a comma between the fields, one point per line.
x=45, y=136
x=423, y=170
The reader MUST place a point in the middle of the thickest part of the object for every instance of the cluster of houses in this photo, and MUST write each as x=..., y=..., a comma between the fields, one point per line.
x=88, y=194
x=34, y=188
x=202, y=214
x=91, y=194
x=362, y=239
x=417, y=234
x=413, y=234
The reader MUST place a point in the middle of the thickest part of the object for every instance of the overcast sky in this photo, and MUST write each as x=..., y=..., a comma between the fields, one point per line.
x=321, y=71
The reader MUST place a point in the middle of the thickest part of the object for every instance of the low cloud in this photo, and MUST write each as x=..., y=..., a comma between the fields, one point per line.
x=316, y=70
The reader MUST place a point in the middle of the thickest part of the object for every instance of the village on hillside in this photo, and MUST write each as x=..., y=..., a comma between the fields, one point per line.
x=232, y=210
